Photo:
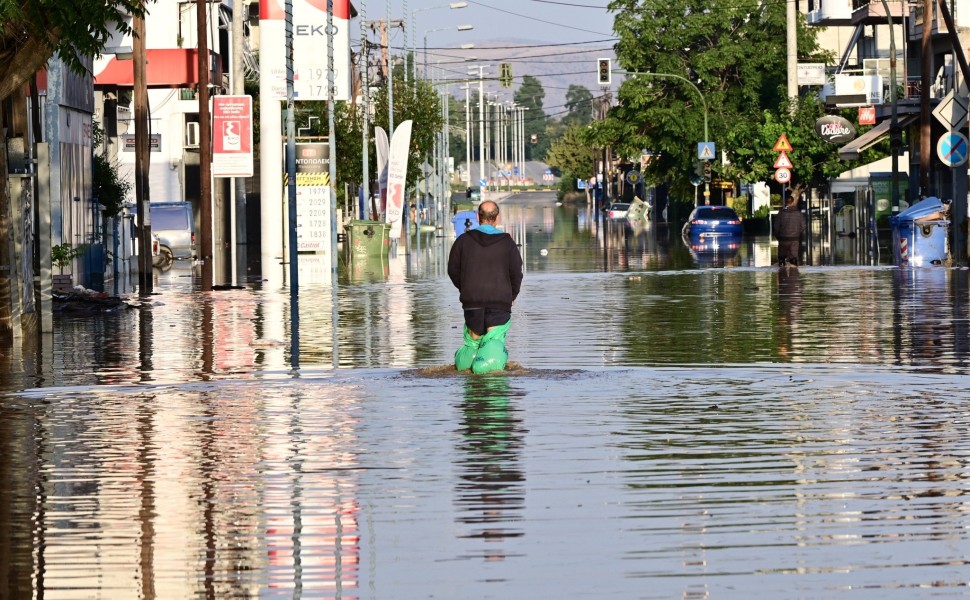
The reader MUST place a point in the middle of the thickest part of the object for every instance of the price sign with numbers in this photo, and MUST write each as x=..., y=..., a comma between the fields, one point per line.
x=313, y=191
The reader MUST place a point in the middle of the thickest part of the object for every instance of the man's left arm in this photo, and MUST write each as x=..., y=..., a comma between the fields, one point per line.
x=515, y=270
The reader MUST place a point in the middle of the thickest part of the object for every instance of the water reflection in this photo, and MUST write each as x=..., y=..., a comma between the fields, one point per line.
x=730, y=432
x=490, y=492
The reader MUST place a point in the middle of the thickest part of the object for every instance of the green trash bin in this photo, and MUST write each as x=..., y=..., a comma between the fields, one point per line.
x=367, y=238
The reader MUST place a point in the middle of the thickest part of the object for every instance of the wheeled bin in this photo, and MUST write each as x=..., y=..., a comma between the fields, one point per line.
x=464, y=221
x=920, y=234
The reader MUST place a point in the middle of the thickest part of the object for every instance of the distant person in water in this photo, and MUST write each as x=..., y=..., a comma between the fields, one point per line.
x=486, y=267
x=788, y=227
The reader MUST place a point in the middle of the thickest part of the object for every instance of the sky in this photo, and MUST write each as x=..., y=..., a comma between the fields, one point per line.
x=547, y=21
x=544, y=37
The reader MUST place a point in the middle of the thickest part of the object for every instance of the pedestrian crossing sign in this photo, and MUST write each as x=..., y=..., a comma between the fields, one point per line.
x=705, y=150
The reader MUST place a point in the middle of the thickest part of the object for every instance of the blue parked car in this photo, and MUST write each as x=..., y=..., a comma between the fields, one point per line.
x=712, y=221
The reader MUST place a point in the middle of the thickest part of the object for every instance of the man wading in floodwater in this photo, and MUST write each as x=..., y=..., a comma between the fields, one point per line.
x=486, y=267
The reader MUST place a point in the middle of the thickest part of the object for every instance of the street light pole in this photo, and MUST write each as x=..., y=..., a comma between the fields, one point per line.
x=468, y=137
x=414, y=26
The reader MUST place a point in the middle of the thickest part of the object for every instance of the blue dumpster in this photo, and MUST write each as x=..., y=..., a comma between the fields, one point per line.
x=464, y=220
x=920, y=234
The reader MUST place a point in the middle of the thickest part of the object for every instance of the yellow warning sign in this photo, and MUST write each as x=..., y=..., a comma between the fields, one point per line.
x=782, y=145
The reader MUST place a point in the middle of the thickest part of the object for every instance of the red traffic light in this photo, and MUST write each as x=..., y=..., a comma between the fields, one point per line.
x=605, y=76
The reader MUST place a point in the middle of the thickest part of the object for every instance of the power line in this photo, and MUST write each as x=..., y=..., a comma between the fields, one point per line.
x=508, y=12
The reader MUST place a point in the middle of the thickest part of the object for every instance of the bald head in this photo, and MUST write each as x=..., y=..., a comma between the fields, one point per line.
x=488, y=212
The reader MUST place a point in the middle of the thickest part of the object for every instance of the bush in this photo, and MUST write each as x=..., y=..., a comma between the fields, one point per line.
x=63, y=254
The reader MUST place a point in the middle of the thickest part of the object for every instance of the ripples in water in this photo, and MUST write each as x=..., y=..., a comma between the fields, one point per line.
x=779, y=480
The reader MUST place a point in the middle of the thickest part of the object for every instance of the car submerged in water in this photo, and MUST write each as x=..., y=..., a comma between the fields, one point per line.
x=618, y=210
x=712, y=221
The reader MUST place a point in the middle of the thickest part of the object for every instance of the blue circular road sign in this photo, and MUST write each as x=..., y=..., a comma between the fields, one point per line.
x=953, y=149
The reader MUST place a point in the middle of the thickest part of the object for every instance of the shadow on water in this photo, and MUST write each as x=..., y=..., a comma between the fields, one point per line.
x=666, y=428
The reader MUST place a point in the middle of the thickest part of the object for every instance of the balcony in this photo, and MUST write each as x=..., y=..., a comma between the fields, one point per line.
x=872, y=12
x=829, y=13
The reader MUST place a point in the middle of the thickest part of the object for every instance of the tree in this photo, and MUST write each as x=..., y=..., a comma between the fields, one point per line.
x=814, y=161
x=579, y=105
x=572, y=157
x=415, y=100
x=734, y=53
x=530, y=95
x=32, y=31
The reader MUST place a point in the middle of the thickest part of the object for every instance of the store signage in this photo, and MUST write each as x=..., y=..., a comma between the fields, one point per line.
x=834, y=129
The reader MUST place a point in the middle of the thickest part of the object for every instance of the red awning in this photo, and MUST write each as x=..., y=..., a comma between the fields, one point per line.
x=173, y=68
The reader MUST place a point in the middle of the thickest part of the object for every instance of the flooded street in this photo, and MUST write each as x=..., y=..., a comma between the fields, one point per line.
x=679, y=423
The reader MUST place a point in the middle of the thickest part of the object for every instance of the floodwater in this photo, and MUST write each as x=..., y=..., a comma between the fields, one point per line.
x=680, y=423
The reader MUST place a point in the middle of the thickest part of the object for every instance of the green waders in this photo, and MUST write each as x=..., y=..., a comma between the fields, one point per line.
x=485, y=354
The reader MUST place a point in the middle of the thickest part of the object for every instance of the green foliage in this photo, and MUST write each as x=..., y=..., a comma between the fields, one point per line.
x=33, y=31
x=733, y=52
x=63, y=254
x=762, y=212
x=814, y=160
x=110, y=189
x=412, y=100
x=579, y=106
x=571, y=156
x=531, y=95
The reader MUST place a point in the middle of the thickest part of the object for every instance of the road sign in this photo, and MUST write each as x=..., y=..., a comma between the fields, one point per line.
x=633, y=177
x=952, y=149
x=483, y=181
x=783, y=162
x=705, y=150
x=952, y=111
x=783, y=176
x=782, y=145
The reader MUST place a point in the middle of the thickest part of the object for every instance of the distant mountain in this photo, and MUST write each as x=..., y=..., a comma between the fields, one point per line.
x=556, y=66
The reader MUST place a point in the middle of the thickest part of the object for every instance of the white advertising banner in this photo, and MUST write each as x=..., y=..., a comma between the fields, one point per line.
x=383, y=148
x=309, y=48
x=397, y=170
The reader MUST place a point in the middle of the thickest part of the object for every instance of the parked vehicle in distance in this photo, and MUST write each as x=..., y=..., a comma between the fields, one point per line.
x=618, y=210
x=174, y=227
x=712, y=221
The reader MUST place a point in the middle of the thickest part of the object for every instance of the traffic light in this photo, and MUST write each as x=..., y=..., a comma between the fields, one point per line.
x=707, y=171
x=605, y=71
x=505, y=75
x=699, y=168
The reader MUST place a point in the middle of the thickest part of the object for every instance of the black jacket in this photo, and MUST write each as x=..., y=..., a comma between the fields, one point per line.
x=486, y=268
x=788, y=224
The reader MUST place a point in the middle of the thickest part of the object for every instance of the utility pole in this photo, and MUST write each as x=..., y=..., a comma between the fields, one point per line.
x=926, y=80
x=237, y=210
x=205, y=147
x=791, y=21
x=142, y=198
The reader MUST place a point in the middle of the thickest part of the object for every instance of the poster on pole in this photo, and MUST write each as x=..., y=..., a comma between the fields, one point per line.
x=312, y=197
x=310, y=57
x=397, y=169
x=383, y=148
x=232, y=139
